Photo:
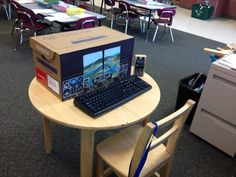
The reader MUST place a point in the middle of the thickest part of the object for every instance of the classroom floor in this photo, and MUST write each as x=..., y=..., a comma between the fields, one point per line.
x=218, y=29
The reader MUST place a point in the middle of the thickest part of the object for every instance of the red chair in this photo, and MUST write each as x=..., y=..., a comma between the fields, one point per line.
x=14, y=6
x=87, y=22
x=165, y=18
x=85, y=6
x=28, y=20
x=128, y=14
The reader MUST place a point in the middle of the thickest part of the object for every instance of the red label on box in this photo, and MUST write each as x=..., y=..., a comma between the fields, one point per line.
x=41, y=76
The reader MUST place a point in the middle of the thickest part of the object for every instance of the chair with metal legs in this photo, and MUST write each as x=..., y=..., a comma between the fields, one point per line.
x=14, y=6
x=87, y=22
x=165, y=17
x=29, y=21
x=128, y=14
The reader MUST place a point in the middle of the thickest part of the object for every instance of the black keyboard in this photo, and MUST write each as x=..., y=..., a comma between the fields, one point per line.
x=107, y=98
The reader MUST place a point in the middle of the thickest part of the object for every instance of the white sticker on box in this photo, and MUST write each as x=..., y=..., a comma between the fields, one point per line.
x=53, y=84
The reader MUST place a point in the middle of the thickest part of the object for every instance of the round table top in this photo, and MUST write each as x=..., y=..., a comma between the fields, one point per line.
x=65, y=113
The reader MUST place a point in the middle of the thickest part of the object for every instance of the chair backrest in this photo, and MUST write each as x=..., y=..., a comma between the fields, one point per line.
x=124, y=7
x=167, y=15
x=85, y=6
x=15, y=5
x=110, y=2
x=67, y=1
x=88, y=22
x=169, y=136
x=26, y=17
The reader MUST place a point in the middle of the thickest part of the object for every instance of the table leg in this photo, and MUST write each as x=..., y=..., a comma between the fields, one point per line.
x=47, y=135
x=148, y=27
x=86, y=153
x=101, y=6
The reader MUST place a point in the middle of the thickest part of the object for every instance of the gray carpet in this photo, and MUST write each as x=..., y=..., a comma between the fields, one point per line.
x=21, y=141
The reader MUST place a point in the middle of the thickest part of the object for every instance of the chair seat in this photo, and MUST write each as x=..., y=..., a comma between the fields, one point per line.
x=162, y=20
x=38, y=26
x=140, y=12
x=131, y=15
x=116, y=11
x=118, y=149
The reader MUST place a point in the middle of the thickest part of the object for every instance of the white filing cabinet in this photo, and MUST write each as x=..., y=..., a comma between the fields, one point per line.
x=215, y=117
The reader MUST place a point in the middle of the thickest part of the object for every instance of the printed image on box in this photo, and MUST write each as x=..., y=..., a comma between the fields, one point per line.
x=68, y=68
x=99, y=69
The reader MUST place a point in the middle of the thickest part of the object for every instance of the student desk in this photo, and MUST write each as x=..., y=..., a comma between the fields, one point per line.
x=65, y=113
x=150, y=8
x=56, y=16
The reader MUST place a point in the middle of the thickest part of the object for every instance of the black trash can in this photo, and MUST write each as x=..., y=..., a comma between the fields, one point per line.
x=190, y=88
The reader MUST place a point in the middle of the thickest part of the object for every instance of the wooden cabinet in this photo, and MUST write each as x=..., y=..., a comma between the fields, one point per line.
x=215, y=117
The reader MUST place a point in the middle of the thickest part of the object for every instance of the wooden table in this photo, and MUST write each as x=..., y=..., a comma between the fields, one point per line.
x=65, y=113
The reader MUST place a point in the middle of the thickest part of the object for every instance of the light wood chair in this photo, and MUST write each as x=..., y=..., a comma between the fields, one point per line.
x=123, y=151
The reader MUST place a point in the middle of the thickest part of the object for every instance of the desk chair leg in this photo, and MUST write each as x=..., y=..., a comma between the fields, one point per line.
x=6, y=12
x=9, y=11
x=112, y=20
x=47, y=136
x=154, y=37
x=171, y=34
x=165, y=170
x=19, y=40
x=126, y=25
x=14, y=27
x=144, y=24
x=141, y=26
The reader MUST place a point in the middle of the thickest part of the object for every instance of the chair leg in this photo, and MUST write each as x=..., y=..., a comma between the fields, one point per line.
x=154, y=37
x=141, y=26
x=144, y=24
x=100, y=167
x=20, y=39
x=9, y=11
x=6, y=12
x=126, y=25
x=112, y=20
x=165, y=170
x=13, y=28
x=171, y=34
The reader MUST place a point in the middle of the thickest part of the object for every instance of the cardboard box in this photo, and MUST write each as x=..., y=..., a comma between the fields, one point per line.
x=69, y=63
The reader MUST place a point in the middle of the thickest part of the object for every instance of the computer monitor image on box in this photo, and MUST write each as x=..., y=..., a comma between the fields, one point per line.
x=99, y=69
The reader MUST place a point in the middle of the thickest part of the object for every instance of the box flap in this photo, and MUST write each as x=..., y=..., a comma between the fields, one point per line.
x=45, y=52
x=71, y=41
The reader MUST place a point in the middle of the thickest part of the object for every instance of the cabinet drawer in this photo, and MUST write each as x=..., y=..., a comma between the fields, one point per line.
x=210, y=127
x=220, y=95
